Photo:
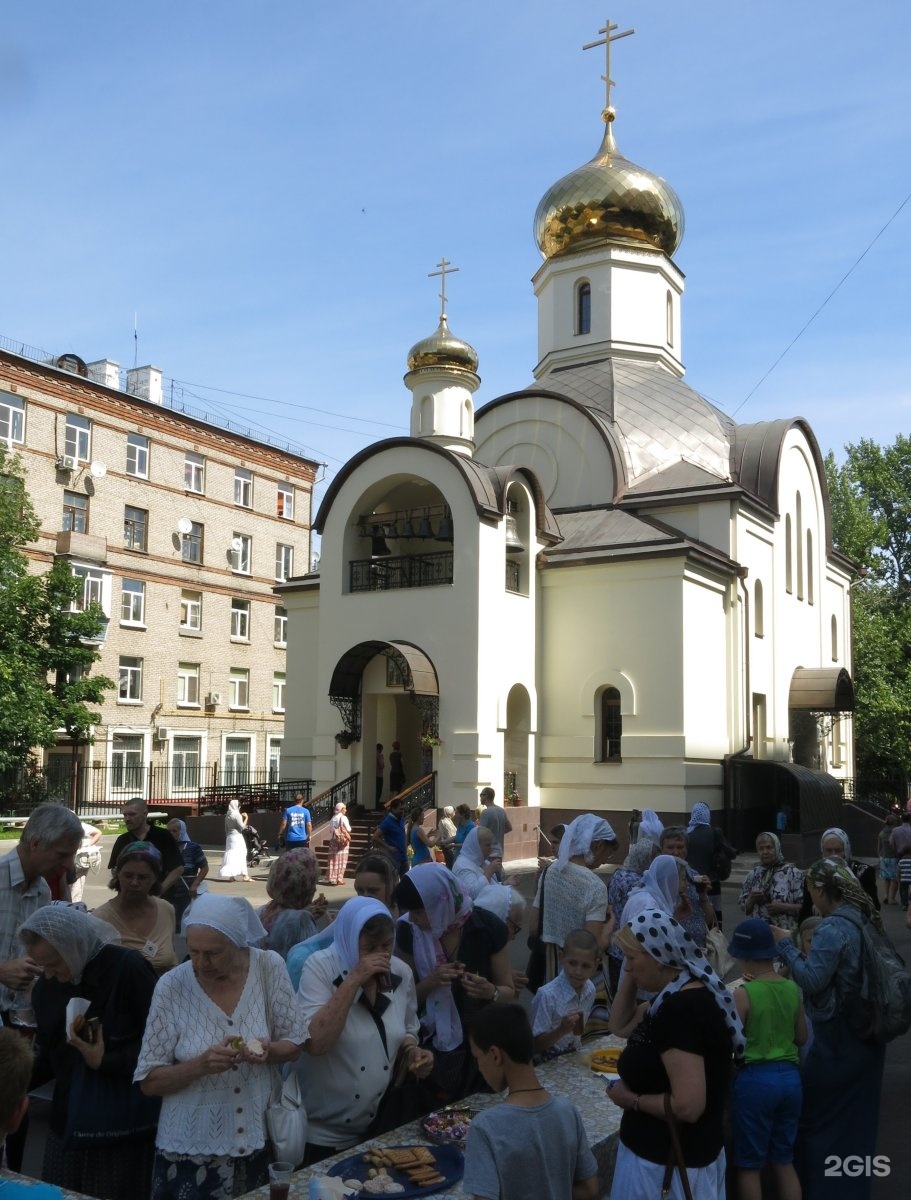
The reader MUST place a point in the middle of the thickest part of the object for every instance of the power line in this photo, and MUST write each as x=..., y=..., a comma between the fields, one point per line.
x=289, y=403
x=806, y=326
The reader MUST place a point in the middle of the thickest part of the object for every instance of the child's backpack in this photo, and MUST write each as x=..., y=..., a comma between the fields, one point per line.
x=882, y=1010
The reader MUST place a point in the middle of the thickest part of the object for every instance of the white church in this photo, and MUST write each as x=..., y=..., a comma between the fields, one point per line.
x=597, y=592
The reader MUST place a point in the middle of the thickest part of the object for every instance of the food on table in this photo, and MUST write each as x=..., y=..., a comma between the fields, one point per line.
x=605, y=1061
x=448, y=1125
x=416, y=1162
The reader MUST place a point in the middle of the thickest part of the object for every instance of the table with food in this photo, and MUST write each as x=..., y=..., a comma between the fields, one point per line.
x=425, y=1157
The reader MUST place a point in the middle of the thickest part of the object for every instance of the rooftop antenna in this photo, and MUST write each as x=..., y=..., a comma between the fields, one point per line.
x=446, y=268
x=609, y=36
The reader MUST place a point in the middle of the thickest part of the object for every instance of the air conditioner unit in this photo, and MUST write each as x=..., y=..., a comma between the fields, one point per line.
x=66, y=462
x=213, y=698
x=161, y=733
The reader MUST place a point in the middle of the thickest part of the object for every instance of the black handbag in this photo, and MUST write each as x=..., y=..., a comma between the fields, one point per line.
x=536, y=968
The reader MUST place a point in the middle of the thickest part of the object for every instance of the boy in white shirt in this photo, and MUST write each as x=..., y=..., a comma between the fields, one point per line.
x=561, y=1008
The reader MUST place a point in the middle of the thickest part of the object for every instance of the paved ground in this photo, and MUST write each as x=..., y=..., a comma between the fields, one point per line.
x=894, y=1141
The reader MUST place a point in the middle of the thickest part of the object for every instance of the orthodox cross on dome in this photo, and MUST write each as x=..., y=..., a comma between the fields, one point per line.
x=609, y=36
x=446, y=268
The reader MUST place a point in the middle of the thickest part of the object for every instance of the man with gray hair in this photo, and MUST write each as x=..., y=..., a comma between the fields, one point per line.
x=49, y=841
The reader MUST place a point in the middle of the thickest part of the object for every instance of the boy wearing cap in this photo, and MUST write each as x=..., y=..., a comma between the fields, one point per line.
x=766, y=1095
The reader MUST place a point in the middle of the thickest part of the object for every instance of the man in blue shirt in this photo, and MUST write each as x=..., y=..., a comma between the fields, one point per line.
x=389, y=835
x=296, y=824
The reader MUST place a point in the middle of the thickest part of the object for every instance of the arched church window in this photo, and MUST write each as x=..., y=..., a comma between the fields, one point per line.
x=809, y=567
x=426, y=416
x=584, y=307
x=788, y=555
x=834, y=638
x=798, y=541
x=758, y=614
x=611, y=726
x=670, y=318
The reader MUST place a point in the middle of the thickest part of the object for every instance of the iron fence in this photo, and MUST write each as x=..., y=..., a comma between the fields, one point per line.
x=407, y=571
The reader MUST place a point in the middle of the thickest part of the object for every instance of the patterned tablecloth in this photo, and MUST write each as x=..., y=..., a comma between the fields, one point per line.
x=569, y=1075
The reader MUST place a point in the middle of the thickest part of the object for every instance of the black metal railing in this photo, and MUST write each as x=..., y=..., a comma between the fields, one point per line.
x=886, y=794
x=323, y=806
x=408, y=571
x=422, y=793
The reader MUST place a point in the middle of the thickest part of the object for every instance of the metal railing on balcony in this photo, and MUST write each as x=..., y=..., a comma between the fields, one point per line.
x=407, y=571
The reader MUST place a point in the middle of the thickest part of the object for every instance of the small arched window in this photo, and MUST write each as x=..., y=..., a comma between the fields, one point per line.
x=788, y=554
x=584, y=307
x=758, y=615
x=798, y=540
x=611, y=726
x=834, y=638
x=670, y=318
x=810, y=597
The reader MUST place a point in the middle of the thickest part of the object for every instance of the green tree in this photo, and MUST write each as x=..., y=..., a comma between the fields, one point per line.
x=46, y=649
x=871, y=521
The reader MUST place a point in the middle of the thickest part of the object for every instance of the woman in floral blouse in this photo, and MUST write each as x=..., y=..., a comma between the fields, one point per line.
x=773, y=890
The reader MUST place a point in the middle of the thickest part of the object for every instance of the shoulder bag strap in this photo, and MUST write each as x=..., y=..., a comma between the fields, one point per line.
x=675, y=1157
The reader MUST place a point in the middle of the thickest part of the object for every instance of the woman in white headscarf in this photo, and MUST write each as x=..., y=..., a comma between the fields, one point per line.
x=234, y=864
x=570, y=895
x=835, y=845
x=361, y=1028
x=679, y=1054
x=81, y=957
x=471, y=868
x=217, y=1024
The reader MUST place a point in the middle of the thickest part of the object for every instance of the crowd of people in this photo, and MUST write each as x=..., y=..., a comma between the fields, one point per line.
x=406, y=999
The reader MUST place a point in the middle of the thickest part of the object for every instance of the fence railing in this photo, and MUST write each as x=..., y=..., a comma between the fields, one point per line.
x=881, y=793
x=323, y=806
x=407, y=571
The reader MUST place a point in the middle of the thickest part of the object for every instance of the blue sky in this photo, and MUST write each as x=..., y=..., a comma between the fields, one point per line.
x=268, y=184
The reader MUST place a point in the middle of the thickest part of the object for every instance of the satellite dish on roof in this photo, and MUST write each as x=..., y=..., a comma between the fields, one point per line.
x=237, y=543
x=98, y=469
x=184, y=525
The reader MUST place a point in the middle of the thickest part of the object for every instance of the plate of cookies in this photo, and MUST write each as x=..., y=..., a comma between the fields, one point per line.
x=401, y=1170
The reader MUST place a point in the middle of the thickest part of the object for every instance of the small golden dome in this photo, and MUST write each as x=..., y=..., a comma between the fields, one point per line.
x=443, y=349
x=609, y=199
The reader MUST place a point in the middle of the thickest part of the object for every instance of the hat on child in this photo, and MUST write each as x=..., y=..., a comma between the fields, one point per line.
x=752, y=941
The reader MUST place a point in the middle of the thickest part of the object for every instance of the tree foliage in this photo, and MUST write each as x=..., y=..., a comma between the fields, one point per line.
x=871, y=516
x=46, y=649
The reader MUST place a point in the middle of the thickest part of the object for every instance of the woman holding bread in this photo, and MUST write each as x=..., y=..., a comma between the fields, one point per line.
x=91, y=1058
x=217, y=1024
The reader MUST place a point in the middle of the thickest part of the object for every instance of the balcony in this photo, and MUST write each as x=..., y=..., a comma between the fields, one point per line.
x=392, y=573
x=83, y=546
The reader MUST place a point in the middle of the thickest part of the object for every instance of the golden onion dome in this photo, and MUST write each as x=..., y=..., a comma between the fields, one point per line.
x=609, y=199
x=443, y=349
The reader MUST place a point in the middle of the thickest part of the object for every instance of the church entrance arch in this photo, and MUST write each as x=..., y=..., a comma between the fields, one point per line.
x=385, y=691
x=516, y=745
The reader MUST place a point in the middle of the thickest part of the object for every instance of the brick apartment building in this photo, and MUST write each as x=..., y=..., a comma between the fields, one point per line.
x=180, y=528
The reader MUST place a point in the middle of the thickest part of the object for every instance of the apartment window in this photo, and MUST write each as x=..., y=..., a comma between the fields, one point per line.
x=126, y=763
x=278, y=691
x=132, y=602
x=237, y=760
x=240, y=619
x=130, y=688
x=239, y=688
x=286, y=501
x=284, y=561
x=12, y=419
x=135, y=528
x=191, y=544
x=274, y=757
x=188, y=684
x=241, y=553
x=280, y=631
x=611, y=725
x=243, y=487
x=186, y=753
x=194, y=472
x=92, y=589
x=78, y=440
x=75, y=512
x=138, y=455
x=190, y=610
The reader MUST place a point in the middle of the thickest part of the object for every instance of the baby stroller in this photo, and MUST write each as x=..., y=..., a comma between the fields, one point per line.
x=256, y=847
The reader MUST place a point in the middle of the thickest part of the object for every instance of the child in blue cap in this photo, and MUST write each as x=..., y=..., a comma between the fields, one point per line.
x=766, y=1095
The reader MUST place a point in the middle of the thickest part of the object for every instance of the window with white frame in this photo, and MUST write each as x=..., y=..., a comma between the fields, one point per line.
x=237, y=760
x=284, y=561
x=75, y=512
x=240, y=620
x=191, y=543
x=194, y=472
x=274, y=757
x=135, y=528
x=280, y=631
x=239, y=688
x=186, y=754
x=12, y=419
x=127, y=762
x=138, y=455
x=190, y=610
x=242, y=556
x=78, y=439
x=286, y=501
x=95, y=589
x=243, y=487
x=132, y=602
x=130, y=687
x=278, y=691
x=188, y=684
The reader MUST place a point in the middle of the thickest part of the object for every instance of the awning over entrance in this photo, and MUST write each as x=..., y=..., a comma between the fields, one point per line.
x=419, y=675
x=759, y=789
x=821, y=689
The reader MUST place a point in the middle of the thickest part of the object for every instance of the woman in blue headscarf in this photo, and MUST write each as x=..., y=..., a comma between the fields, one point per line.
x=360, y=1011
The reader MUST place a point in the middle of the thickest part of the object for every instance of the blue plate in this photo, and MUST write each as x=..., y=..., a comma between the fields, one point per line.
x=448, y=1160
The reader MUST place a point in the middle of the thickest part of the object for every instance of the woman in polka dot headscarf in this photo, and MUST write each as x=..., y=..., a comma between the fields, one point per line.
x=680, y=1049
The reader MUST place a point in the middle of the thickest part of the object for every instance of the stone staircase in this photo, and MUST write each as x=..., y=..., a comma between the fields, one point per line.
x=362, y=827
